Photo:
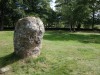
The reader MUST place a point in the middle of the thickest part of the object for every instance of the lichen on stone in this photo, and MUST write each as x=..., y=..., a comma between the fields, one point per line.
x=28, y=36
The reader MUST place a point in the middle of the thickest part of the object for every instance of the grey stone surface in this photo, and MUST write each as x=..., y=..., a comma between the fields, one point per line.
x=5, y=69
x=28, y=36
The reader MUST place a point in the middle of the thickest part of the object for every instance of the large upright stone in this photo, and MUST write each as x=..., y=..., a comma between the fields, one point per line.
x=28, y=37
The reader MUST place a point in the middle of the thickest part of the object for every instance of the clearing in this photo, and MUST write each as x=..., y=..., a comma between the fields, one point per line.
x=63, y=53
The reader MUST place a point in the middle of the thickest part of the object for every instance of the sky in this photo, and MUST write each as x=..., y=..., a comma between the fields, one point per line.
x=52, y=4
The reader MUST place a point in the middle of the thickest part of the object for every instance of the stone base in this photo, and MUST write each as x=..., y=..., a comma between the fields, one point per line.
x=34, y=53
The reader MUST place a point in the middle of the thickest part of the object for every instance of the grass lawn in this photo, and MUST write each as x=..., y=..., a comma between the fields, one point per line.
x=63, y=53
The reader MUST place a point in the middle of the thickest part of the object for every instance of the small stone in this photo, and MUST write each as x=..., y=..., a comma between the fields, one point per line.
x=5, y=69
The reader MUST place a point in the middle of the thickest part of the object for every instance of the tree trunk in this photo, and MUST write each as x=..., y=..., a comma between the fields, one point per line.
x=1, y=27
x=93, y=18
x=74, y=28
x=71, y=27
x=78, y=26
x=2, y=21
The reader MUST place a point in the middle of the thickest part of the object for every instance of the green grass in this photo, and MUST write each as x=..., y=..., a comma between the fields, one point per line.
x=63, y=53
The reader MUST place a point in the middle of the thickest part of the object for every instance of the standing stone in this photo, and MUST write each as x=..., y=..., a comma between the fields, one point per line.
x=28, y=37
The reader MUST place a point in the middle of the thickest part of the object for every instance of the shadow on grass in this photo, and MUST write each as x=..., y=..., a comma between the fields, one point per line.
x=65, y=36
x=8, y=59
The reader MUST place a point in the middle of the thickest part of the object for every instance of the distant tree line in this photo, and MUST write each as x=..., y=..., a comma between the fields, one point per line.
x=12, y=10
x=72, y=14
x=78, y=13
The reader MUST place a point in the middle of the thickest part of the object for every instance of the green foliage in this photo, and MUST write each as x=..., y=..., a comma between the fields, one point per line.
x=76, y=12
x=12, y=10
x=69, y=13
x=10, y=13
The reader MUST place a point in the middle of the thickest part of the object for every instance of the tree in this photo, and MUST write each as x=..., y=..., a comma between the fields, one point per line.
x=2, y=12
x=9, y=12
x=76, y=12
x=94, y=6
x=12, y=10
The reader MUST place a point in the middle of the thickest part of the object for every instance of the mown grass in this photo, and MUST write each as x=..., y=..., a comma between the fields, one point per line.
x=63, y=53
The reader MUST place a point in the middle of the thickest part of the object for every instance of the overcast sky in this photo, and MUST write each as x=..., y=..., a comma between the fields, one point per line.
x=52, y=4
